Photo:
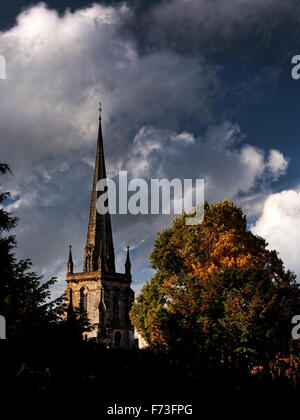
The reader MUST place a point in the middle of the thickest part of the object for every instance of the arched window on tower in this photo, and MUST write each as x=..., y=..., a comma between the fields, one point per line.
x=83, y=300
x=116, y=304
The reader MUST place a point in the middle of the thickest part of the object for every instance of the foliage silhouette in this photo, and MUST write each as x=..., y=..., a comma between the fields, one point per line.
x=45, y=360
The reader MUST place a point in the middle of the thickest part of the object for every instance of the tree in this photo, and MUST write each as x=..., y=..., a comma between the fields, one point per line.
x=218, y=291
x=34, y=354
x=24, y=299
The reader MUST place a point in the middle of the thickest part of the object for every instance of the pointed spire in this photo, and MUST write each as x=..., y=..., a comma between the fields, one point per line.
x=100, y=110
x=70, y=261
x=99, y=243
x=128, y=263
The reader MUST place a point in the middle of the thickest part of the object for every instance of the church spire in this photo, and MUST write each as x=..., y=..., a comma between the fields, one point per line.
x=99, y=243
x=128, y=263
x=70, y=261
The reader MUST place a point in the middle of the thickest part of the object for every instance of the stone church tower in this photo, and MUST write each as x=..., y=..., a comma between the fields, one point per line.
x=104, y=295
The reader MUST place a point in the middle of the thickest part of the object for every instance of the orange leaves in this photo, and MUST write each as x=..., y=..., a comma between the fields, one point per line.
x=289, y=366
x=214, y=287
x=214, y=246
x=226, y=250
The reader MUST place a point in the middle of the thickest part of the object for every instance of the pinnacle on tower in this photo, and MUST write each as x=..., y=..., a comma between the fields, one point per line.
x=70, y=261
x=99, y=243
x=128, y=263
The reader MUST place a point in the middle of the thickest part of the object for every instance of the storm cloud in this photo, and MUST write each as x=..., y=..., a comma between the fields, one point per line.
x=159, y=120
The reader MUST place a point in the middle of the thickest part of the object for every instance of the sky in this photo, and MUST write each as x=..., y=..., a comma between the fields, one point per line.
x=189, y=89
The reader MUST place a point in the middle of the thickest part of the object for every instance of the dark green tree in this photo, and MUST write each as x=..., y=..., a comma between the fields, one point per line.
x=24, y=299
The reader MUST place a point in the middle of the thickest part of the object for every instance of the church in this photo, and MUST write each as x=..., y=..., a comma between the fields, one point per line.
x=104, y=295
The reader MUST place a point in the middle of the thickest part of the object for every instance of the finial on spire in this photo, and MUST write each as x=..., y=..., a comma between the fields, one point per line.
x=128, y=263
x=100, y=110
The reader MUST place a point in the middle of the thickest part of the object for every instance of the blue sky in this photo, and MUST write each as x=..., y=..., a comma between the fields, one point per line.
x=218, y=70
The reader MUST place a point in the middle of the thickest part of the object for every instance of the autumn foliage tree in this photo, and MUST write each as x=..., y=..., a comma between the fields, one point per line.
x=217, y=292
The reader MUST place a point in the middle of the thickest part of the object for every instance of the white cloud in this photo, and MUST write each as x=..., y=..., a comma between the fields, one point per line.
x=253, y=159
x=228, y=167
x=184, y=137
x=277, y=163
x=279, y=224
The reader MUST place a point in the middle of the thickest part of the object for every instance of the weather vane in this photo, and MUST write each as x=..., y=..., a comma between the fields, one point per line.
x=100, y=108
